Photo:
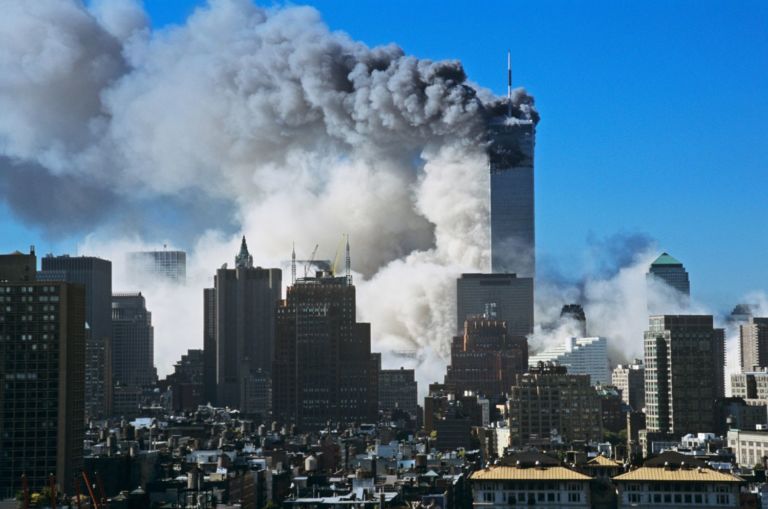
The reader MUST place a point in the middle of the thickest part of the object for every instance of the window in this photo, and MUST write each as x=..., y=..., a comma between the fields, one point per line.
x=634, y=498
x=722, y=499
x=489, y=497
x=574, y=497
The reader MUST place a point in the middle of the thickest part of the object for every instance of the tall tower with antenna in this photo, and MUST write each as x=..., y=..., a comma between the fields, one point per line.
x=348, y=264
x=510, y=155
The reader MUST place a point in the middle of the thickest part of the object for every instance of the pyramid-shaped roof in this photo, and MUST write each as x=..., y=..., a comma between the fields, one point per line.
x=667, y=259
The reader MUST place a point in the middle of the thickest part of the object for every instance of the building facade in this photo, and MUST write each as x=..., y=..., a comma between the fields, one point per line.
x=133, y=342
x=548, y=405
x=510, y=156
x=684, y=373
x=246, y=299
x=209, y=345
x=42, y=365
x=486, y=359
x=95, y=274
x=171, y=265
x=750, y=385
x=630, y=380
x=749, y=447
x=753, y=337
x=671, y=271
x=582, y=356
x=323, y=362
x=505, y=297
x=398, y=390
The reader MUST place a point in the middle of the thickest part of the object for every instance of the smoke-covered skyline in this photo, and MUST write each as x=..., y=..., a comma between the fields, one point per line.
x=242, y=120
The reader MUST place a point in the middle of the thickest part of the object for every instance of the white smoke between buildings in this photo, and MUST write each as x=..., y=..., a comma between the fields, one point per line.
x=263, y=122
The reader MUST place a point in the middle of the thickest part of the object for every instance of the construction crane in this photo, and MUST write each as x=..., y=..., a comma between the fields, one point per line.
x=311, y=259
x=94, y=500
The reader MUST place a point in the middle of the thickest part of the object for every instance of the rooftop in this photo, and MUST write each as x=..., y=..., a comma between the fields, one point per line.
x=528, y=474
x=655, y=474
x=665, y=259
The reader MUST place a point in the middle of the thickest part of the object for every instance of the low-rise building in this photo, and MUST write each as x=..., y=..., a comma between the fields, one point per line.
x=527, y=479
x=749, y=447
x=673, y=480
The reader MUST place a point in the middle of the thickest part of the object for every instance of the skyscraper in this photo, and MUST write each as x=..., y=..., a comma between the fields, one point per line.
x=323, y=361
x=42, y=350
x=504, y=297
x=209, y=345
x=246, y=298
x=398, y=390
x=754, y=344
x=684, y=373
x=96, y=275
x=133, y=341
x=169, y=264
x=485, y=359
x=669, y=270
x=510, y=154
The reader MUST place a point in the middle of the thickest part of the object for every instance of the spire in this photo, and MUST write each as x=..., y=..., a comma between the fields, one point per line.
x=509, y=83
x=348, y=264
x=243, y=258
x=293, y=264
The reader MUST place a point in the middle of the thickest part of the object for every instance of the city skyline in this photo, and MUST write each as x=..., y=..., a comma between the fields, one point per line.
x=611, y=154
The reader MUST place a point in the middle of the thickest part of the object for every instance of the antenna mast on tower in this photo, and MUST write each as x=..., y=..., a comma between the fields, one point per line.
x=348, y=264
x=509, y=83
x=293, y=264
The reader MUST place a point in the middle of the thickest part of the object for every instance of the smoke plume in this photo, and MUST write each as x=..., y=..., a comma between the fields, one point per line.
x=255, y=121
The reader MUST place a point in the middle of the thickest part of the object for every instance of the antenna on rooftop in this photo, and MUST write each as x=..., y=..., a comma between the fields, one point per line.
x=509, y=83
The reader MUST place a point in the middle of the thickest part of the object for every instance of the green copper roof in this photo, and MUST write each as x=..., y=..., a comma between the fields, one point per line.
x=666, y=259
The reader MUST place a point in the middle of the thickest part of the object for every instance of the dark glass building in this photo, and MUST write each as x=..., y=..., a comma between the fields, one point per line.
x=133, y=341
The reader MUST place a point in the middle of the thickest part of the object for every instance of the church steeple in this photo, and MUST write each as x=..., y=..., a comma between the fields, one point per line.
x=243, y=258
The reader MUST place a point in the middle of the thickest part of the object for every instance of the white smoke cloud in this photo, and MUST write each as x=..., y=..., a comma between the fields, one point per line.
x=254, y=121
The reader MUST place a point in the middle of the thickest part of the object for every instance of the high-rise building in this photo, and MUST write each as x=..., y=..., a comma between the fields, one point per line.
x=548, y=404
x=582, y=356
x=185, y=384
x=169, y=264
x=398, y=390
x=754, y=344
x=246, y=299
x=485, y=359
x=42, y=351
x=504, y=297
x=209, y=345
x=510, y=156
x=96, y=275
x=750, y=386
x=684, y=373
x=133, y=342
x=575, y=313
x=323, y=362
x=669, y=270
x=630, y=380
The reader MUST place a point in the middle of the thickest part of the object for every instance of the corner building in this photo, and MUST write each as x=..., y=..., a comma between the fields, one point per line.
x=323, y=363
x=42, y=368
x=684, y=373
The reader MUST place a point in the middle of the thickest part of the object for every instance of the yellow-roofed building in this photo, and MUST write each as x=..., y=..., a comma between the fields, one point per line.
x=530, y=479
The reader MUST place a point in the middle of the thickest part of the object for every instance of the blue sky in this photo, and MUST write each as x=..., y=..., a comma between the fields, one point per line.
x=653, y=119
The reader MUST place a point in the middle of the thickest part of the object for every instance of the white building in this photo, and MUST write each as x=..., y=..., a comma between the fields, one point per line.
x=749, y=447
x=582, y=356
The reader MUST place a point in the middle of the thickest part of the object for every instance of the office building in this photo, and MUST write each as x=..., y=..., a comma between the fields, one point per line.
x=486, y=359
x=185, y=384
x=505, y=297
x=171, y=265
x=42, y=352
x=754, y=344
x=133, y=342
x=95, y=274
x=398, y=391
x=209, y=345
x=630, y=380
x=684, y=373
x=323, y=362
x=582, y=356
x=510, y=156
x=752, y=385
x=749, y=447
x=246, y=298
x=549, y=405
x=575, y=313
x=612, y=408
x=670, y=271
